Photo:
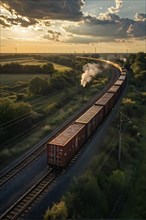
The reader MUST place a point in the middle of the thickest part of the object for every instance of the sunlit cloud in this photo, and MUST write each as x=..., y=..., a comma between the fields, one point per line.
x=66, y=22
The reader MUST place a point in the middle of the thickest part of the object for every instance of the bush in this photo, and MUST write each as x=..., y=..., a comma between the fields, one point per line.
x=58, y=211
x=39, y=86
x=118, y=185
x=10, y=110
x=21, y=96
x=85, y=199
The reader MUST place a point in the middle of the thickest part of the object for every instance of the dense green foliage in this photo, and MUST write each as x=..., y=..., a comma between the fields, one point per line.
x=59, y=81
x=101, y=193
x=10, y=110
x=84, y=198
x=39, y=86
x=58, y=211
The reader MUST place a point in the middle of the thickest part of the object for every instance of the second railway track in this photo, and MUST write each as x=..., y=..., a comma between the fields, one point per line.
x=21, y=165
x=30, y=196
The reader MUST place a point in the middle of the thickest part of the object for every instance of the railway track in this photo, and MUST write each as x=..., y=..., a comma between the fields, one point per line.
x=21, y=165
x=30, y=196
x=4, y=178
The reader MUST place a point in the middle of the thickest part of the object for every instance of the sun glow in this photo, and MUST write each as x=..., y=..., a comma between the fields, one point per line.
x=20, y=32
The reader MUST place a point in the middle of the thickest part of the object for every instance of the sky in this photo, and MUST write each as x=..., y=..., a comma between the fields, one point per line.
x=69, y=26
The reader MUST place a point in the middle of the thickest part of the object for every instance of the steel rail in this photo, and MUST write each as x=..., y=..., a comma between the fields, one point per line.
x=30, y=196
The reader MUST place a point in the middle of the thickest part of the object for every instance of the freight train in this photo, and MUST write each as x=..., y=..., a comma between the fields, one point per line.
x=62, y=148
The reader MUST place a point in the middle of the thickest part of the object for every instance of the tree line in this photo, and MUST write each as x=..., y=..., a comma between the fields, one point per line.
x=17, y=68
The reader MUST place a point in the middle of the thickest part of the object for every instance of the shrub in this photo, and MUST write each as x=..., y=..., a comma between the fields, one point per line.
x=39, y=86
x=58, y=211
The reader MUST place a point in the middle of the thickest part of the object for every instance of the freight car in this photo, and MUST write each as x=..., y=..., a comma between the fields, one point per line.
x=62, y=148
x=115, y=89
x=107, y=101
x=91, y=119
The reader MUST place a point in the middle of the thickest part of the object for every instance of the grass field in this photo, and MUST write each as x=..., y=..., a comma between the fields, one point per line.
x=13, y=78
x=21, y=61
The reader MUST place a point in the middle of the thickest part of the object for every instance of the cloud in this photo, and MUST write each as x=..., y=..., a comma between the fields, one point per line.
x=9, y=21
x=96, y=30
x=99, y=28
x=47, y=23
x=140, y=17
x=46, y=9
x=138, y=29
x=80, y=39
x=4, y=23
x=108, y=15
x=53, y=35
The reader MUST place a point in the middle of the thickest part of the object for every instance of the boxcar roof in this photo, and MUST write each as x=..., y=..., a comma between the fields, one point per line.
x=64, y=137
x=88, y=115
x=123, y=73
x=122, y=77
x=104, y=99
x=119, y=82
x=114, y=89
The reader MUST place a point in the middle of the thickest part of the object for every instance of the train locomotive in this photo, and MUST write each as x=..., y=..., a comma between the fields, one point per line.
x=62, y=148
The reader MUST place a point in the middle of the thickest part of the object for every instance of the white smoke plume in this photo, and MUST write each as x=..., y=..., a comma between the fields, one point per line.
x=112, y=10
x=90, y=71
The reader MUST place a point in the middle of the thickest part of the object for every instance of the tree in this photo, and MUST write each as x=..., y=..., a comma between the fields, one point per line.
x=38, y=86
x=58, y=82
x=31, y=69
x=140, y=57
x=10, y=110
x=85, y=199
x=12, y=68
x=48, y=69
x=137, y=67
x=58, y=211
x=7, y=111
x=22, y=108
x=117, y=182
x=142, y=76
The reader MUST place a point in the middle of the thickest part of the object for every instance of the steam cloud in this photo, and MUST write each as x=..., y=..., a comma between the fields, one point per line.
x=90, y=71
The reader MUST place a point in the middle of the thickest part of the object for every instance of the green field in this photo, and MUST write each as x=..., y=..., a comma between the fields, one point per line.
x=21, y=61
x=13, y=78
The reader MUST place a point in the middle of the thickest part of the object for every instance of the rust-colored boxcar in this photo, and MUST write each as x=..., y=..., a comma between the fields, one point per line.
x=62, y=148
x=116, y=90
x=107, y=100
x=122, y=77
x=91, y=118
x=123, y=73
x=119, y=83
